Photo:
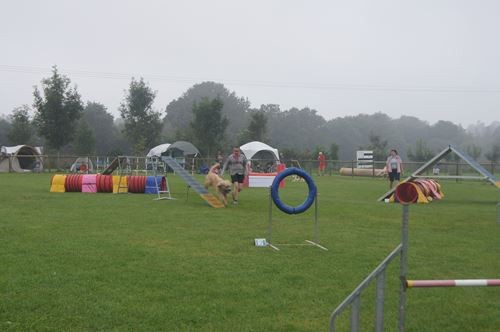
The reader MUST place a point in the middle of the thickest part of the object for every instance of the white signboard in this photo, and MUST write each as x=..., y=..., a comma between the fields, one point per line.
x=364, y=159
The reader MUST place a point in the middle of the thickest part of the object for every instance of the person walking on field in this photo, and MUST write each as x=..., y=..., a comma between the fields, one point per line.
x=394, y=166
x=321, y=164
x=236, y=163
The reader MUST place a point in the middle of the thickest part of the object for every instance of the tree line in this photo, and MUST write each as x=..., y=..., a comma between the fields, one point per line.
x=214, y=118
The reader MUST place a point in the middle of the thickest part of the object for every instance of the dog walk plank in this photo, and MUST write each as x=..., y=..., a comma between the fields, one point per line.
x=212, y=200
x=191, y=181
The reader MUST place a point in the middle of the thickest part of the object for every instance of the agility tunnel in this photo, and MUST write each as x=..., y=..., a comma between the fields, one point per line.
x=417, y=191
x=57, y=183
x=73, y=183
x=136, y=184
x=98, y=183
x=153, y=184
x=104, y=183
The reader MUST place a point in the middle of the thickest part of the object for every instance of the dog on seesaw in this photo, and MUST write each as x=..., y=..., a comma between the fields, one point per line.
x=223, y=187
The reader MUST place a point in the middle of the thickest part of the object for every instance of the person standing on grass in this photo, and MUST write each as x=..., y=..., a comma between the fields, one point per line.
x=236, y=163
x=321, y=164
x=394, y=166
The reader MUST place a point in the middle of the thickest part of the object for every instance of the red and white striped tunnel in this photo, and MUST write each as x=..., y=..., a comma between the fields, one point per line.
x=406, y=193
x=453, y=283
x=409, y=192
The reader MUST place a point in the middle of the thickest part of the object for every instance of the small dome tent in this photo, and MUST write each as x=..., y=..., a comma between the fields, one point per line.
x=158, y=150
x=20, y=158
x=179, y=148
x=186, y=148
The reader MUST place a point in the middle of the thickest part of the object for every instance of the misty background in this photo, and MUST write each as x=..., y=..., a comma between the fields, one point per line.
x=413, y=76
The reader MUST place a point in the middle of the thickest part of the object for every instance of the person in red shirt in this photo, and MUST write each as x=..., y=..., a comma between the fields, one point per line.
x=321, y=164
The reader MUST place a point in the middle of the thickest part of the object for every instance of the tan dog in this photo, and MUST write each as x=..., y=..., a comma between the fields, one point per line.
x=222, y=186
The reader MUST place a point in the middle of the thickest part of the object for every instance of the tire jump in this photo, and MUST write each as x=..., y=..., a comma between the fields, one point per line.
x=310, y=197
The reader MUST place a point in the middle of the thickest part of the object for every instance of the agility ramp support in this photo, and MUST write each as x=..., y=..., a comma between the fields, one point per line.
x=191, y=182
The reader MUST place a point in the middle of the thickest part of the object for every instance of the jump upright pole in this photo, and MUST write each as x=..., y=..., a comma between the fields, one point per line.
x=403, y=268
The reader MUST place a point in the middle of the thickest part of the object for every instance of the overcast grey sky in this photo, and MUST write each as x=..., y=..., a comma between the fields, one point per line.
x=433, y=59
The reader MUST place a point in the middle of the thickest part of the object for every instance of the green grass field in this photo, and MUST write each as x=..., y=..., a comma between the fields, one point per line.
x=73, y=261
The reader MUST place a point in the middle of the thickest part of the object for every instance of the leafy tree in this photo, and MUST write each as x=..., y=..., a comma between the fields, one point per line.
x=21, y=130
x=209, y=124
x=296, y=128
x=142, y=123
x=57, y=111
x=84, y=139
x=244, y=137
x=177, y=122
x=334, y=151
x=421, y=152
x=257, y=128
x=4, y=130
x=494, y=154
x=101, y=123
x=474, y=151
x=378, y=146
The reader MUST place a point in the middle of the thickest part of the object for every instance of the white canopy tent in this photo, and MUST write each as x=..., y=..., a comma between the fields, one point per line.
x=254, y=149
x=263, y=163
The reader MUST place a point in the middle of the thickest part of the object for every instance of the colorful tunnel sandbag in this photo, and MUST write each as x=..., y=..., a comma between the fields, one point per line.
x=73, y=183
x=417, y=191
x=57, y=184
x=123, y=184
x=136, y=184
x=89, y=184
x=152, y=184
x=104, y=183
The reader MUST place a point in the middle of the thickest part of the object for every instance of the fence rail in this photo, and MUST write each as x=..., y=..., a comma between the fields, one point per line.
x=354, y=299
x=63, y=163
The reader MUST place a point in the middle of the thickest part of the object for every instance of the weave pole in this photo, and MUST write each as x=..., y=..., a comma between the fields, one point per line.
x=453, y=283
